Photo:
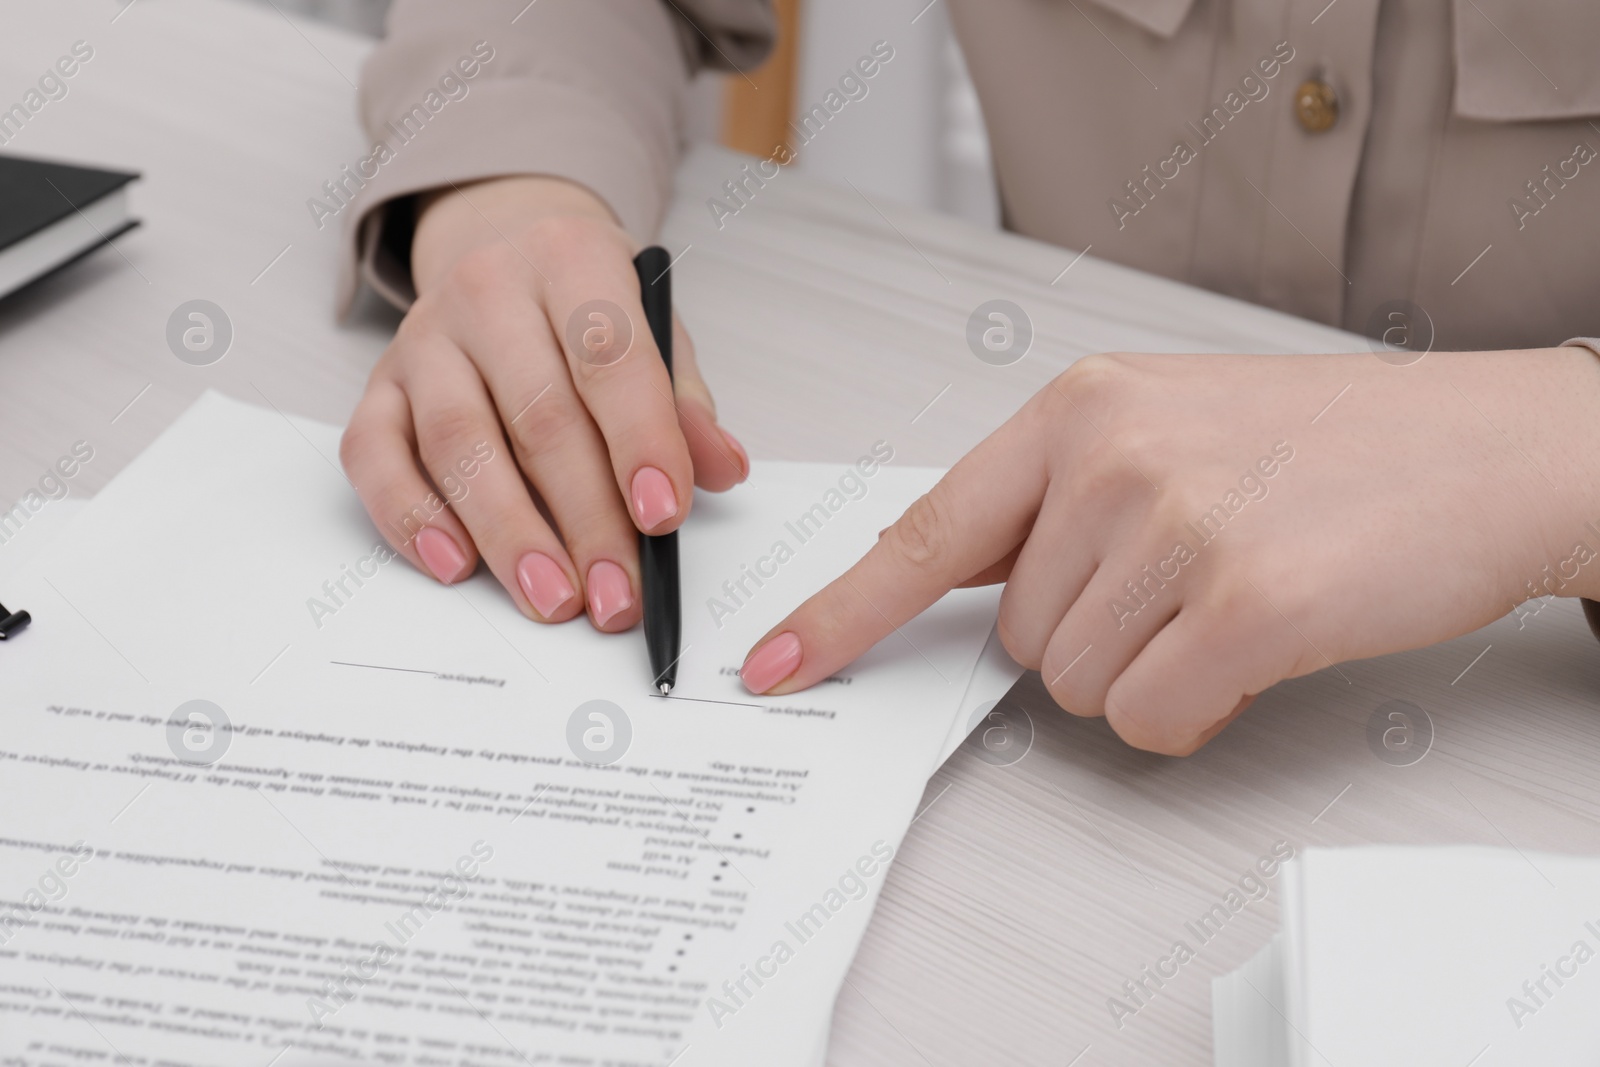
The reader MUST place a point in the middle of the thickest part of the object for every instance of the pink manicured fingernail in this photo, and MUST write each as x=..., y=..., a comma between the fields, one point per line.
x=441, y=554
x=738, y=450
x=654, y=502
x=544, y=583
x=772, y=663
x=609, y=592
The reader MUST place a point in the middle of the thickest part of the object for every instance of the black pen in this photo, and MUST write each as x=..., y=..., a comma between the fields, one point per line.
x=12, y=622
x=658, y=556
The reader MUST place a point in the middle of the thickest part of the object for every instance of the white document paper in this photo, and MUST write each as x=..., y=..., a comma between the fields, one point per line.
x=20, y=543
x=417, y=839
x=1396, y=955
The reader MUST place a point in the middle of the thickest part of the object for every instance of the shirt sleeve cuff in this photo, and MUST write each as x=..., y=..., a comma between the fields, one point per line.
x=570, y=135
x=1591, y=609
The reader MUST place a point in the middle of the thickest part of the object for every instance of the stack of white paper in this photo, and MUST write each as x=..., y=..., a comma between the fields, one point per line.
x=268, y=795
x=1452, y=955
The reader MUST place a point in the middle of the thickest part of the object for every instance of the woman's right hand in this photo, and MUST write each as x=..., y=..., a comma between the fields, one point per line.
x=522, y=413
x=1179, y=532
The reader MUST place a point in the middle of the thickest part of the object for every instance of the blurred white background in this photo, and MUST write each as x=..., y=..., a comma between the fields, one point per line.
x=917, y=137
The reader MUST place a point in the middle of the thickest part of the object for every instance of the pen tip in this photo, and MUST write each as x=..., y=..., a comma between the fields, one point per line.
x=665, y=688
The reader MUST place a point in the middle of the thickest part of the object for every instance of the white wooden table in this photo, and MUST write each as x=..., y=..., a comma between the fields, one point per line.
x=1026, y=895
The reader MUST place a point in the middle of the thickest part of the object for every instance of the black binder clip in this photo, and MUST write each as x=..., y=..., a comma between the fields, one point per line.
x=13, y=622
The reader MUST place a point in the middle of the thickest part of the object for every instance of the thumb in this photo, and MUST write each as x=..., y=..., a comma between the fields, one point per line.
x=720, y=461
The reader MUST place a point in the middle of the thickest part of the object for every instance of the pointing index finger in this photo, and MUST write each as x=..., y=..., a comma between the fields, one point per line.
x=976, y=513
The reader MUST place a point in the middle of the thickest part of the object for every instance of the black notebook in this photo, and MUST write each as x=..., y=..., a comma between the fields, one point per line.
x=54, y=213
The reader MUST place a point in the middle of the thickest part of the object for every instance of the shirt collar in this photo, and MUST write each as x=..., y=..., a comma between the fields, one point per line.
x=1161, y=17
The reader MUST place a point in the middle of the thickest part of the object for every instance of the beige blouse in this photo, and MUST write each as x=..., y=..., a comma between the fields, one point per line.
x=1335, y=160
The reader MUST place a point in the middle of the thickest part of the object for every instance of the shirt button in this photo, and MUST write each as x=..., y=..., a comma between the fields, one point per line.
x=1316, y=105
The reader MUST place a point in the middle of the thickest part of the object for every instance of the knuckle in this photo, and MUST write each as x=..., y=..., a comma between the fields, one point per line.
x=829, y=620
x=485, y=272
x=1075, y=694
x=1097, y=373
x=1139, y=733
x=1171, y=519
x=547, y=423
x=1096, y=471
x=598, y=533
x=1116, y=446
x=922, y=533
x=355, y=444
x=566, y=238
x=1230, y=594
x=1028, y=653
x=404, y=518
x=421, y=321
x=1095, y=383
x=449, y=430
x=1177, y=504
